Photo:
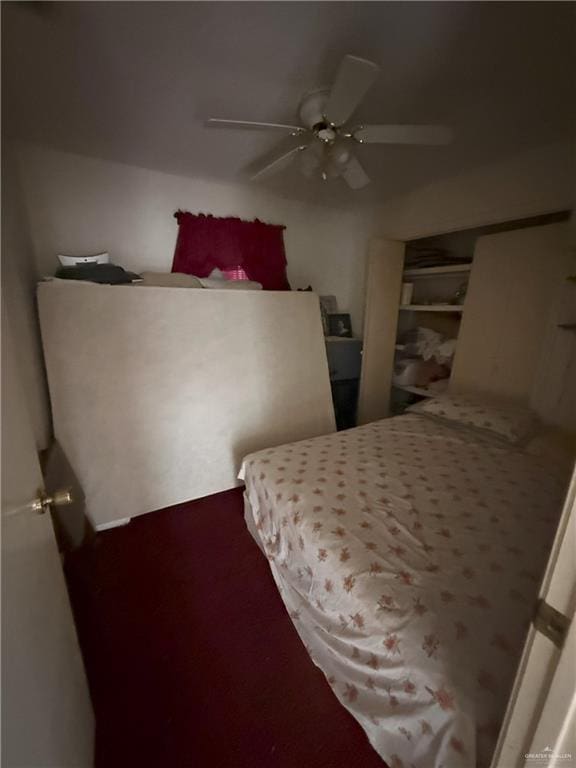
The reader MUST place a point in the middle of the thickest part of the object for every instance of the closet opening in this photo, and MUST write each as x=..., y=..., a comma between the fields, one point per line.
x=435, y=279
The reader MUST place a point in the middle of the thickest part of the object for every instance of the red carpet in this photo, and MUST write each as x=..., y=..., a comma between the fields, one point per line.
x=191, y=657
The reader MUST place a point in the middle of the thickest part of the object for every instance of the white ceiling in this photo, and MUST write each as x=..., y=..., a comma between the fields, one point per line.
x=134, y=81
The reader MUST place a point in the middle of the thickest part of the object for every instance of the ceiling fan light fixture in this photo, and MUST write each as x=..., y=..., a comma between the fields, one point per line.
x=332, y=170
x=339, y=153
x=311, y=160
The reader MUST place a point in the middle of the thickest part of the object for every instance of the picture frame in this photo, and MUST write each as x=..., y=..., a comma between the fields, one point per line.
x=340, y=325
x=328, y=304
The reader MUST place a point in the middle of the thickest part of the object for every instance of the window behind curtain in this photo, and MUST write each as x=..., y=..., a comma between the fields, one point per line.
x=255, y=248
x=235, y=273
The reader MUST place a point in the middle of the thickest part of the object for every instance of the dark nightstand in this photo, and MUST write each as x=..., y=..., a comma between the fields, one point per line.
x=344, y=364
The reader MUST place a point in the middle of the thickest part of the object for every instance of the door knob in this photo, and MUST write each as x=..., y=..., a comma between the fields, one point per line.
x=58, y=499
x=42, y=503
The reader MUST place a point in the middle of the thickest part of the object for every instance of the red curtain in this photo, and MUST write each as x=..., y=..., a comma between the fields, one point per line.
x=206, y=242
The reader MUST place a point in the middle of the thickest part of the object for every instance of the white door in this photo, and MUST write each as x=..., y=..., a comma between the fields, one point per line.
x=47, y=718
x=539, y=726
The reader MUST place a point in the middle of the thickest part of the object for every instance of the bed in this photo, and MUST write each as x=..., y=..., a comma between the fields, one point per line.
x=389, y=544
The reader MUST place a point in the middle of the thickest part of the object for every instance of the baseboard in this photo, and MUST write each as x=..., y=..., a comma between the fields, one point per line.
x=112, y=524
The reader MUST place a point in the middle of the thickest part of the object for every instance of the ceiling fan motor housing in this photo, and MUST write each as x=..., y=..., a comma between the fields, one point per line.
x=313, y=117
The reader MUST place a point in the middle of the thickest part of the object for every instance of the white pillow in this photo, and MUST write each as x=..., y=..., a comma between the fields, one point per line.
x=511, y=422
x=230, y=285
x=169, y=280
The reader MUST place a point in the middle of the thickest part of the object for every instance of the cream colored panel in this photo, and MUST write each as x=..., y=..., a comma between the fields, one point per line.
x=515, y=285
x=383, y=284
x=158, y=393
x=554, y=391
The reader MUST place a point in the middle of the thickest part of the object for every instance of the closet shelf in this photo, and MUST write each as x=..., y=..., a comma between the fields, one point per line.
x=415, y=390
x=448, y=269
x=432, y=307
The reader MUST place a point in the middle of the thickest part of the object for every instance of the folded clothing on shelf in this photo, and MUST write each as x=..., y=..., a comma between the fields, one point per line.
x=110, y=274
x=428, y=344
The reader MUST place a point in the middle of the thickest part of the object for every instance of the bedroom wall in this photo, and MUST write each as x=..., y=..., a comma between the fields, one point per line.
x=81, y=204
x=78, y=204
x=530, y=183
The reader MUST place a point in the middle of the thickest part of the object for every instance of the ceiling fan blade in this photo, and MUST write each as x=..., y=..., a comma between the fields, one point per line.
x=278, y=159
x=403, y=134
x=354, y=78
x=354, y=175
x=216, y=122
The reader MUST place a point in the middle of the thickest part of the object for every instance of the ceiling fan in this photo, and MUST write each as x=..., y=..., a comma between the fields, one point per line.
x=324, y=142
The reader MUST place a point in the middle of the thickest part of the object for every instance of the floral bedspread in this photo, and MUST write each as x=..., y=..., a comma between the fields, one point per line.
x=409, y=554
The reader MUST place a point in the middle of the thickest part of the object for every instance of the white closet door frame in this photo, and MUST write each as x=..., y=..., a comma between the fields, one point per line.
x=541, y=708
x=385, y=264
